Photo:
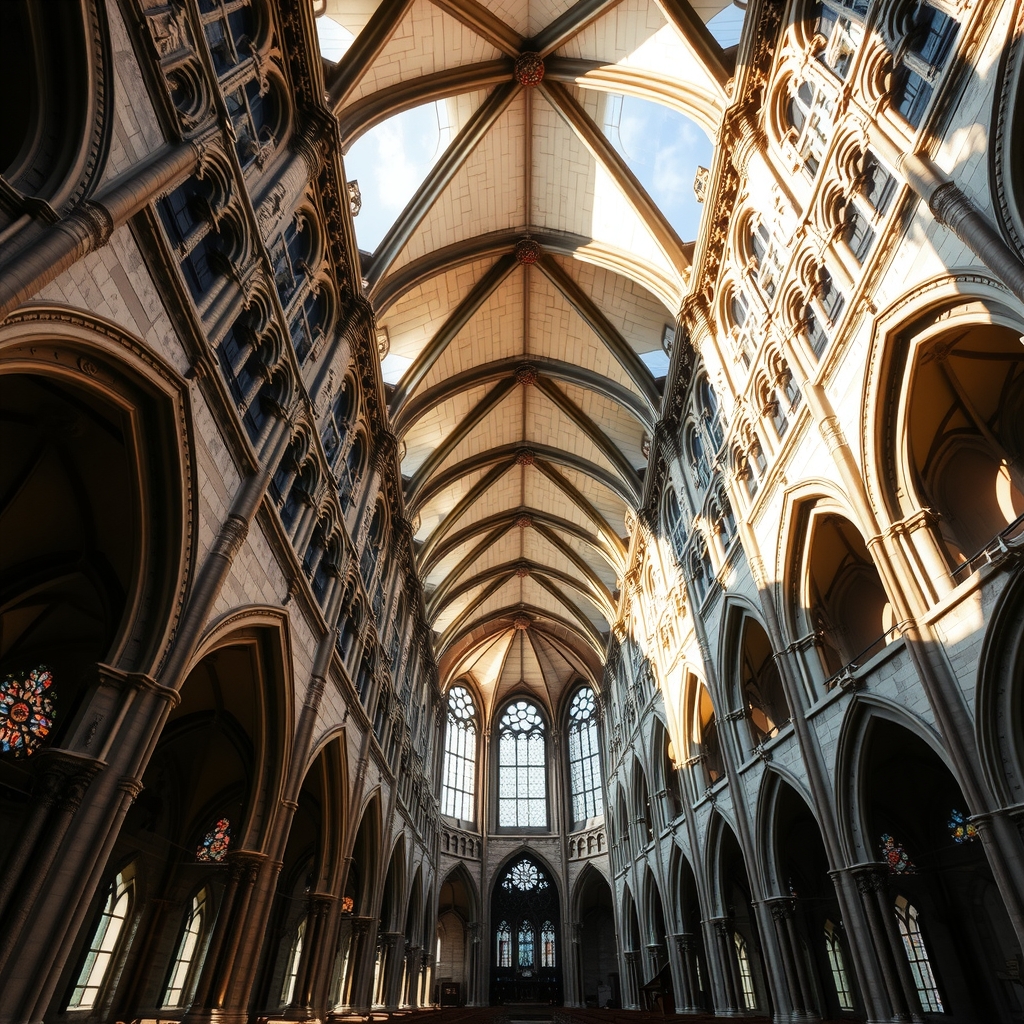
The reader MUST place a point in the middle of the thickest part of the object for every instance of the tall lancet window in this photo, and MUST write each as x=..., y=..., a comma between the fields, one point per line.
x=522, y=773
x=584, y=758
x=460, y=756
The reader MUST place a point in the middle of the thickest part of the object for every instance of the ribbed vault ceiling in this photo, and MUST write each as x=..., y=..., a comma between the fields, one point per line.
x=521, y=288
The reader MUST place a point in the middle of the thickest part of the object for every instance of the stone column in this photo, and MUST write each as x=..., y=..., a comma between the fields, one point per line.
x=631, y=988
x=682, y=957
x=394, y=944
x=801, y=991
x=872, y=885
x=734, y=1001
x=302, y=1006
x=411, y=979
x=214, y=990
x=362, y=960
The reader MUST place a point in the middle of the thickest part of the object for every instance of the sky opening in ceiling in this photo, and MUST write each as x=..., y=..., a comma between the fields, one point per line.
x=663, y=148
x=390, y=161
x=725, y=26
x=334, y=39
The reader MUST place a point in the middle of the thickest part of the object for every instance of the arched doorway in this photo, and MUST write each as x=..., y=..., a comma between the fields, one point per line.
x=598, y=967
x=938, y=898
x=456, y=916
x=526, y=953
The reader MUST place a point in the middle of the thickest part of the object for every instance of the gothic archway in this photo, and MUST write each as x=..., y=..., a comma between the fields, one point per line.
x=526, y=947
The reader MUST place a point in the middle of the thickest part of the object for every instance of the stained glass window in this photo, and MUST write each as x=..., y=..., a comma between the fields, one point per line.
x=104, y=944
x=26, y=711
x=835, y=959
x=216, y=842
x=584, y=758
x=292, y=971
x=525, y=876
x=962, y=830
x=896, y=857
x=917, y=955
x=460, y=756
x=504, y=945
x=522, y=772
x=526, y=944
x=746, y=974
x=547, y=944
x=178, y=986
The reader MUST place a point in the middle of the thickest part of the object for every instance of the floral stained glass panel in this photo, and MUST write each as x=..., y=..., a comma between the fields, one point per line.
x=962, y=830
x=896, y=857
x=216, y=842
x=26, y=711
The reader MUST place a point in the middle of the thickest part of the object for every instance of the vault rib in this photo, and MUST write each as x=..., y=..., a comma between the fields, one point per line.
x=570, y=110
x=460, y=316
x=603, y=328
x=439, y=178
x=359, y=117
x=588, y=635
x=547, y=368
x=391, y=288
x=537, y=453
x=484, y=23
x=452, y=440
x=553, y=522
x=365, y=49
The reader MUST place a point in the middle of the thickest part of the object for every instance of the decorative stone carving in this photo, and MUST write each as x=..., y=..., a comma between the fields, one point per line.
x=529, y=69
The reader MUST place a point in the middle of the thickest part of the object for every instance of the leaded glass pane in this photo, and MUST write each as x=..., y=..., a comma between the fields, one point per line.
x=459, y=790
x=522, y=772
x=584, y=757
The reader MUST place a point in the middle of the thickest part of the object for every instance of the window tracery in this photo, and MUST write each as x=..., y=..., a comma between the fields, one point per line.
x=917, y=956
x=838, y=23
x=584, y=757
x=503, y=946
x=214, y=845
x=291, y=973
x=459, y=791
x=837, y=964
x=547, y=944
x=27, y=710
x=179, y=985
x=522, y=767
x=924, y=49
x=105, y=943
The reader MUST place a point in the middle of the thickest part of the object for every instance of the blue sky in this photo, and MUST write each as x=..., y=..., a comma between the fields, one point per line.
x=663, y=149
x=725, y=26
x=389, y=162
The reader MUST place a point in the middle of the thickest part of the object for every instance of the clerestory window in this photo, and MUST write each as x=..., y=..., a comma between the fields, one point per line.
x=522, y=768
x=105, y=943
x=917, y=955
x=584, y=758
x=183, y=973
x=457, y=795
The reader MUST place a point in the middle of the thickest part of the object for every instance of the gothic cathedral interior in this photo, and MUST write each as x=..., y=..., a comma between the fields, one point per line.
x=511, y=511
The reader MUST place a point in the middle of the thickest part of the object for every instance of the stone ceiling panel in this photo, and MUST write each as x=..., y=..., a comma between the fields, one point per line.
x=487, y=194
x=426, y=40
x=530, y=173
x=502, y=425
x=429, y=431
x=557, y=330
x=418, y=314
x=620, y=426
x=494, y=332
x=639, y=315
